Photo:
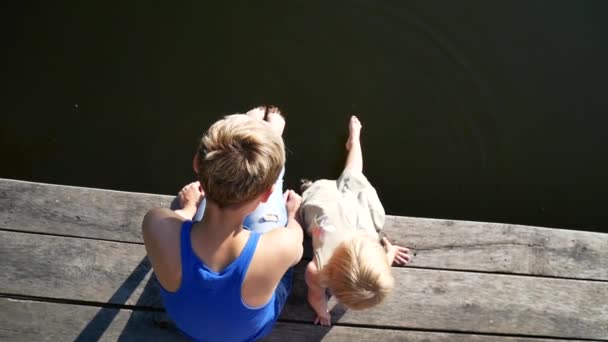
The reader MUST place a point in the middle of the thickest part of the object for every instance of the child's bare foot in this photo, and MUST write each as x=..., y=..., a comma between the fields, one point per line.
x=276, y=120
x=354, y=130
x=257, y=113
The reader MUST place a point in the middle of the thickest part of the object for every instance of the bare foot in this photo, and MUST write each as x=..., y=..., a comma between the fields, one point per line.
x=276, y=120
x=354, y=130
x=257, y=113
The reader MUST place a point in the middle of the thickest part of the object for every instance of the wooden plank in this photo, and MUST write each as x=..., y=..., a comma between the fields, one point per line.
x=505, y=248
x=306, y=333
x=443, y=244
x=102, y=271
x=75, y=211
x=23, y=320
x=75, y=268
x=488, y=303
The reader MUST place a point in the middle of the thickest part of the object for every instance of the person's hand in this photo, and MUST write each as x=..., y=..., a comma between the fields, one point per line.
x=191, y=195
x=324, y=319
x=396, y=255
x=318, y=303
x=292, y=201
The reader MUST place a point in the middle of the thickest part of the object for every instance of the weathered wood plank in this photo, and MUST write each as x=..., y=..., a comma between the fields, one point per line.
x=505, y=248
x=103, y=271
x=22, y=320
x=306, y=333
x=75, y=268
x=443, y=244
x=75, y=211
x=489, y=303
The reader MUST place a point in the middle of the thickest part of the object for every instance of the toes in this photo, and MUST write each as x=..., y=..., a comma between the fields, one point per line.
x=275, y=119
x=257, y=113
x=274, y=110
x=274, y=114
x=354, y=123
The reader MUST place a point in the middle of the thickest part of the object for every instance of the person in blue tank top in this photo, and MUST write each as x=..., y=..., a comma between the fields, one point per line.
x=224, y=271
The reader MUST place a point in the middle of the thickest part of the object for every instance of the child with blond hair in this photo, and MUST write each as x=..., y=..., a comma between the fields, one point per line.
x=226, y=276
x=343, y=218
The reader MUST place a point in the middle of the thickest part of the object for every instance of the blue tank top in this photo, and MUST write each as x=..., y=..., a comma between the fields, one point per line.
x=208, y=305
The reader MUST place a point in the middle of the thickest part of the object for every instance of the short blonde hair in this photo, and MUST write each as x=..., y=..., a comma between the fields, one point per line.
x=239, y=158
x=358, y=273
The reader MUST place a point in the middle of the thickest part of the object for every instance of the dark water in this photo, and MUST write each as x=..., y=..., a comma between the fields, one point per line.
x=478, y=110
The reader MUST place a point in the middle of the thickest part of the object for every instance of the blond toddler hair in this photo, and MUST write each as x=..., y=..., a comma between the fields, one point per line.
x=238, y=158
x=358, y=273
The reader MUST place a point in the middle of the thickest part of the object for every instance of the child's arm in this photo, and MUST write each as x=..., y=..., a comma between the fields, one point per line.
x=190, y=198
x=287, y=242
x=396, y=255
x=293, y=202
x=316, y=295
x=161, y=233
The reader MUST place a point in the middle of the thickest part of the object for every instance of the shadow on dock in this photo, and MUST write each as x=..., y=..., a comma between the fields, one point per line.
x=147, y=320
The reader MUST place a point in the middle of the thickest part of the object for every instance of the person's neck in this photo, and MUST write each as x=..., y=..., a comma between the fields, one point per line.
x=222, y=223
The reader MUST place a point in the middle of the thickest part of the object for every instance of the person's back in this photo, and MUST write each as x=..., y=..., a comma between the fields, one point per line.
x=208, y=303
x=221, y=282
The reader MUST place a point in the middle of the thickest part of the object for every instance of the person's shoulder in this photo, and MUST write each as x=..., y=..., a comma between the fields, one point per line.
x=158, y=213
x=161, y=232
x=281, y=239
x=161, y=229
x=282, y=246
x=157, y=220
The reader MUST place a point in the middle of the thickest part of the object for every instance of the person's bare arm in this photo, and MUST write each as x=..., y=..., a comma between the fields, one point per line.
x=161, y=233
x=277, y=251
x=293, y=202
x=287, y=241
x=316, y=295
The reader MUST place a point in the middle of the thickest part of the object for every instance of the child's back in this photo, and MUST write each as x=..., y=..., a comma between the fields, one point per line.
x=220, y=281
x=208, y=304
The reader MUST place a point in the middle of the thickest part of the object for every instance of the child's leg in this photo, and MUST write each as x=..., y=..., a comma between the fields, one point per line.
x=272, y=214
x=354, y=159
x=266, y=216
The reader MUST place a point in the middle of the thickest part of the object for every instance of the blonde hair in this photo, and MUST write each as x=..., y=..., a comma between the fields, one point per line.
x=239, y=158
x=358, y=273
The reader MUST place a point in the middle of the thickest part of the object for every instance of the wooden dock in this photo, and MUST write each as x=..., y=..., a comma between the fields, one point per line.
x=73, y=267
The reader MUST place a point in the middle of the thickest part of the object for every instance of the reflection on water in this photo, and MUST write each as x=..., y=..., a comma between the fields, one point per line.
x=481, y=111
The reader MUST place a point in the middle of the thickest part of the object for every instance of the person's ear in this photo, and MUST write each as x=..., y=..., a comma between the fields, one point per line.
x=266, y=194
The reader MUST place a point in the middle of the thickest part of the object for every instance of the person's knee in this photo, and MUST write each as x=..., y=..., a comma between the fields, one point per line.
x=263, y=222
